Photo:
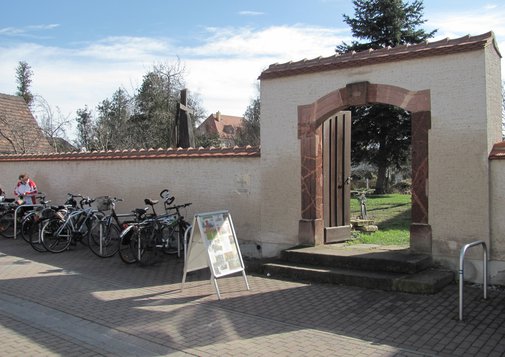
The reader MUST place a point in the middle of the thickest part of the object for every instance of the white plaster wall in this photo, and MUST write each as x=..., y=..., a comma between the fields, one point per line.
x=280, y=169
x=459, y=142
x=211, y=184
x=497, y=244
x=471, y=198
x=494, y=95
x=497, y=175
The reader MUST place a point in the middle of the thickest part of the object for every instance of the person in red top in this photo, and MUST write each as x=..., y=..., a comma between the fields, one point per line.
x=25, y=190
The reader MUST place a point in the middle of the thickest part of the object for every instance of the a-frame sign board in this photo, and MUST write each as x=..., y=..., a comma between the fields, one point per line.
x=213, y=244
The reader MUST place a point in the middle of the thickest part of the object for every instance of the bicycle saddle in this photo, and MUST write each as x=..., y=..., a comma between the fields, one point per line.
x=140, y=211
x=148, y=201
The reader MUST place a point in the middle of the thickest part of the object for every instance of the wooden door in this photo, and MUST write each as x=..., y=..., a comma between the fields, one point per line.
x=337, y=177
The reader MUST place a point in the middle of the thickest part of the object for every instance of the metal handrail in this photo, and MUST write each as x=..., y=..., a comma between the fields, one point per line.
x=461, y=272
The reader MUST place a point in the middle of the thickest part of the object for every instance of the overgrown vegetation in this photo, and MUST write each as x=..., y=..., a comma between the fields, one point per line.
x=391, y=213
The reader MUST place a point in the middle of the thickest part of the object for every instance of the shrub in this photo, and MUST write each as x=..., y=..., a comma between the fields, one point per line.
x=404, y=187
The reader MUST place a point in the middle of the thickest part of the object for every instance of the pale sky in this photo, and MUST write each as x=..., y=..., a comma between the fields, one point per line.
x=81, y=52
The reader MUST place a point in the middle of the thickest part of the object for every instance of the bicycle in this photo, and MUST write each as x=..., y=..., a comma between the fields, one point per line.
x=7, y=218
x=31, y=218
x=58, y=234
x=33, y=222
x=13, y=214
x=105, y=236
x=163, y=233
x=129, y=234
x=177, y=229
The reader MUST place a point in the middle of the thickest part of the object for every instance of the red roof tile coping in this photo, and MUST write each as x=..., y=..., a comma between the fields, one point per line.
x=498, y=151
x=384, y=55
x=170, y=153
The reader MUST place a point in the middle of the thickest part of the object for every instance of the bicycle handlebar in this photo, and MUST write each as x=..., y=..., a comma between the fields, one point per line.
x=180, y=206
x=86, y=201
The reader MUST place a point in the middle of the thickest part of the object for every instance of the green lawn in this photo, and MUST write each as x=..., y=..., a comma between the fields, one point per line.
x=391, y=214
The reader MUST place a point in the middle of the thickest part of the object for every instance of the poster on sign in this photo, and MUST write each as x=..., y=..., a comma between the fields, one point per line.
x=213, y=244
x=220, y=241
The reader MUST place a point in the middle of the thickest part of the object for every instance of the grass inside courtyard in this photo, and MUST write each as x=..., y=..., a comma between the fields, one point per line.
x=391, y=214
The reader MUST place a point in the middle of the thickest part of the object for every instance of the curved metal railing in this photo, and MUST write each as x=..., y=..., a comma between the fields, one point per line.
x=462, y=273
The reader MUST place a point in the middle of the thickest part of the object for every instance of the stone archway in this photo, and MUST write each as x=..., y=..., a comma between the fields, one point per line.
x=310, y=118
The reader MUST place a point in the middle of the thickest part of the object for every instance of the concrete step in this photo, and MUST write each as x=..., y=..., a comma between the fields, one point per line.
x=368, y=266
x=361, y=257
x=428, y=281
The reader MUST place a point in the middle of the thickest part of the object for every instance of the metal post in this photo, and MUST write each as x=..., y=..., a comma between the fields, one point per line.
x=186, y=241
x=101, y=237
x=462, y=273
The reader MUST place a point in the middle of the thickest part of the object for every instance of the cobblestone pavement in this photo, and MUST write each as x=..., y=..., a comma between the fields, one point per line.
x=75, y=304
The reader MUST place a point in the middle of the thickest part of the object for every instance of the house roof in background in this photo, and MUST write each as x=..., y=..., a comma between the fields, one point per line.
x=19, y=131
x=218, y=123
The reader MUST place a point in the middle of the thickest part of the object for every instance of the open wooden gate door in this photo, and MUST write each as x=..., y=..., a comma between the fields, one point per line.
x=337, y=177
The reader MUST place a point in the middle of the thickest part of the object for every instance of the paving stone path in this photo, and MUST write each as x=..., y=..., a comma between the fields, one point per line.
x=75, y=304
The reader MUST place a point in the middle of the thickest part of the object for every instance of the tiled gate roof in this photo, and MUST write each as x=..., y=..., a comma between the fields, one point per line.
x=389, y=54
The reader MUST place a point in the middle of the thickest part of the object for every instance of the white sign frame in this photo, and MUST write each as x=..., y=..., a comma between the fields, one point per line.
x=213, y=244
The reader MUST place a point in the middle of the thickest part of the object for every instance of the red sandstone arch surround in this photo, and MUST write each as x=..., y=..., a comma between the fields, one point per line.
x=310, y=118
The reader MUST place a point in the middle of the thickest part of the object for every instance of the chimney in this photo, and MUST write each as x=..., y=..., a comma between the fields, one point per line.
x=218, y=116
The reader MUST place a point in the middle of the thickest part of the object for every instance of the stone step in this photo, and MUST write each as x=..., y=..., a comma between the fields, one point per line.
x=428, y=281
x=359, y=258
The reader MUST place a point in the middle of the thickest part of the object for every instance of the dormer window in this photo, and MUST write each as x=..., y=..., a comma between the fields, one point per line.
x=229, y=129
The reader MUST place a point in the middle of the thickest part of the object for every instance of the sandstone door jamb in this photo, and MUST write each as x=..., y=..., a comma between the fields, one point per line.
x=310, y=118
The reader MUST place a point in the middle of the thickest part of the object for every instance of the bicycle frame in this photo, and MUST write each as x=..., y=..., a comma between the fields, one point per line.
x=109, y=220
x=163, y=230
x=72, y=219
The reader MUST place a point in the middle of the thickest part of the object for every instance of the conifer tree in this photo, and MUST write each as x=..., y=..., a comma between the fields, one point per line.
x=24, y=75
x=381, y=133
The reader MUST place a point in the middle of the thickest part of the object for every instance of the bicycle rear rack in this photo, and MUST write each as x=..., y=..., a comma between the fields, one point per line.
x=461, y=272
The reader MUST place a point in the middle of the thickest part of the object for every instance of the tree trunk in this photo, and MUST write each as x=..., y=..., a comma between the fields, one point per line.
x=380, y=186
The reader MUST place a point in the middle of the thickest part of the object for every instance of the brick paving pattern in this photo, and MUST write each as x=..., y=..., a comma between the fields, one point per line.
x=75, y=304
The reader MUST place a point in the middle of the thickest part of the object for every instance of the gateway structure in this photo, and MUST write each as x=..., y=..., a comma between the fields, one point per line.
x=452, y=88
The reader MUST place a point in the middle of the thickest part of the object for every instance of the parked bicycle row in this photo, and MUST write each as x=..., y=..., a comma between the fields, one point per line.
x=140, y=236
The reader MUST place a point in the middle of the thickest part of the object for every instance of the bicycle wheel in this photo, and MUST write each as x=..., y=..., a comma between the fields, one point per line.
x=127, y=245
x=146, y=248
x=28, y=226
x=7, y=224
x=35, y=237
x=84, y=225
x=169, y=235
x=56, y=236
x=104, y=239
x=174, y=238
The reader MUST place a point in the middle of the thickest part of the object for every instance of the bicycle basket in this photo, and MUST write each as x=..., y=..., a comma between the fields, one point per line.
x=103, y=203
